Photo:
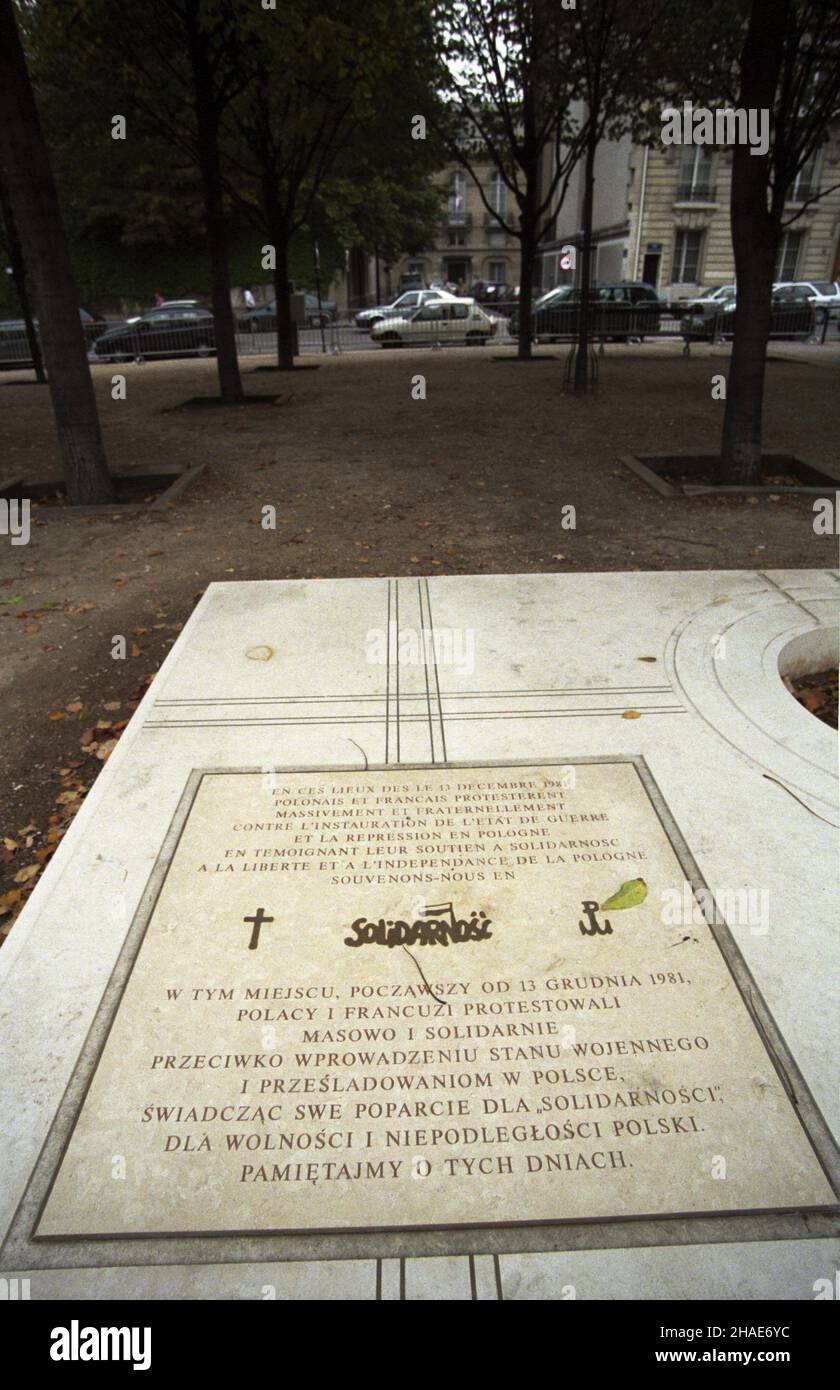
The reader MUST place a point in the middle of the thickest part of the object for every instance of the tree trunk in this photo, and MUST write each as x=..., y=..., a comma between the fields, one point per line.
x=285, y=327
x=526, y=296
x=25, y=160
x=528, y=249
x=740, y=461
x=582, y=357
x=19, y=276
x=756, y=234
x=207, y=120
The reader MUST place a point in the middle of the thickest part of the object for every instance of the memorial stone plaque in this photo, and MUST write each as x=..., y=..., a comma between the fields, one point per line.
x=425, y=997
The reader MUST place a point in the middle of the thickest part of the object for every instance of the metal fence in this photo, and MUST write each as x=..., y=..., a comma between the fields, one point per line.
x=14, y=344
x=128, y=342
x=787, y=321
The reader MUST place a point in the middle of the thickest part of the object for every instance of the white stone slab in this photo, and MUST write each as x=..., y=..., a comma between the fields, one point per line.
x=530, y=668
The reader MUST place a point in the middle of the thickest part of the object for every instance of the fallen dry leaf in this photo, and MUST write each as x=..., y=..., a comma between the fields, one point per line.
x=631, y=714
x=24, y=875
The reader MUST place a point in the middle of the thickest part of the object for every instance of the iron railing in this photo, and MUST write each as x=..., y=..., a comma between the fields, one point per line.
x=792, y=321
x=499, y=327
x=696, y=193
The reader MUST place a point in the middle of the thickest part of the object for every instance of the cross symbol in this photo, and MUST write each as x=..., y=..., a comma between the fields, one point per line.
x=258, y=919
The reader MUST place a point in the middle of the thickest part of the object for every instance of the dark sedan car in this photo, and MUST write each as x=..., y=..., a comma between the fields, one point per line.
x=264, y=320
x=617, y=311
x=492, y=292
x=791, y=316
x=161, y=333
x=14, y=344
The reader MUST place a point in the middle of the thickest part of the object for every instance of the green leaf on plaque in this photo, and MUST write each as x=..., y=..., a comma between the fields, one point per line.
x=630, y=894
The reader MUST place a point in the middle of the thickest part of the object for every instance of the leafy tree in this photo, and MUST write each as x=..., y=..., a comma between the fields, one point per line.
x=628, y=61
x=171, y=67
x=26, y=170
x=613, y=51
x=310, y=113
x=790, y=67
x=510, y=88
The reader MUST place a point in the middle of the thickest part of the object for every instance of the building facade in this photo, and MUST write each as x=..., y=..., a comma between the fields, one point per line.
x=662, y=217
x=472, y=244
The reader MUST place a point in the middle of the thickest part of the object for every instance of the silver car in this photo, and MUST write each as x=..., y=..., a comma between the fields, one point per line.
x=451, y=320
x=823, y=294
x=406, y=304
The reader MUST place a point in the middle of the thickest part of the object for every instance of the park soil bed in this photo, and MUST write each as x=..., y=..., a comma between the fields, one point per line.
x=131, y=489
x=198, y=402
x=364, y=480
x=687, y=475
x=818, y=694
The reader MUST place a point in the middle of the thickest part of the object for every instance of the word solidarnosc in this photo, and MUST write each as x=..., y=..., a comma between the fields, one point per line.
x=419, y=933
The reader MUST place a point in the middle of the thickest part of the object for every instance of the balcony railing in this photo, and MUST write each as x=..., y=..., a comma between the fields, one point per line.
x=696, y=193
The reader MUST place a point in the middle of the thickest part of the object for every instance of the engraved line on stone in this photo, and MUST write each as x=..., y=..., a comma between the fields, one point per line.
x=437, y=679
x=397, y=663
x=799, y=799
x=426, y=669
x=451, y=695
x=388, y=674
x=779, y=590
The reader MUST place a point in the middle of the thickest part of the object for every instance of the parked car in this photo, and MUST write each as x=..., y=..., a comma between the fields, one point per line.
x=617, y=311
x=160, y=333
x=791, y=316
x=492, y=291
x=823, y=294
x=404, y=305
x=172, y=304
x=264, y=320
x=450, y=320
x=718, y=294
x=14, y=345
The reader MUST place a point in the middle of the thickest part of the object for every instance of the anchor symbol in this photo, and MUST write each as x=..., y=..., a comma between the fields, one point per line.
x=594, y=928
